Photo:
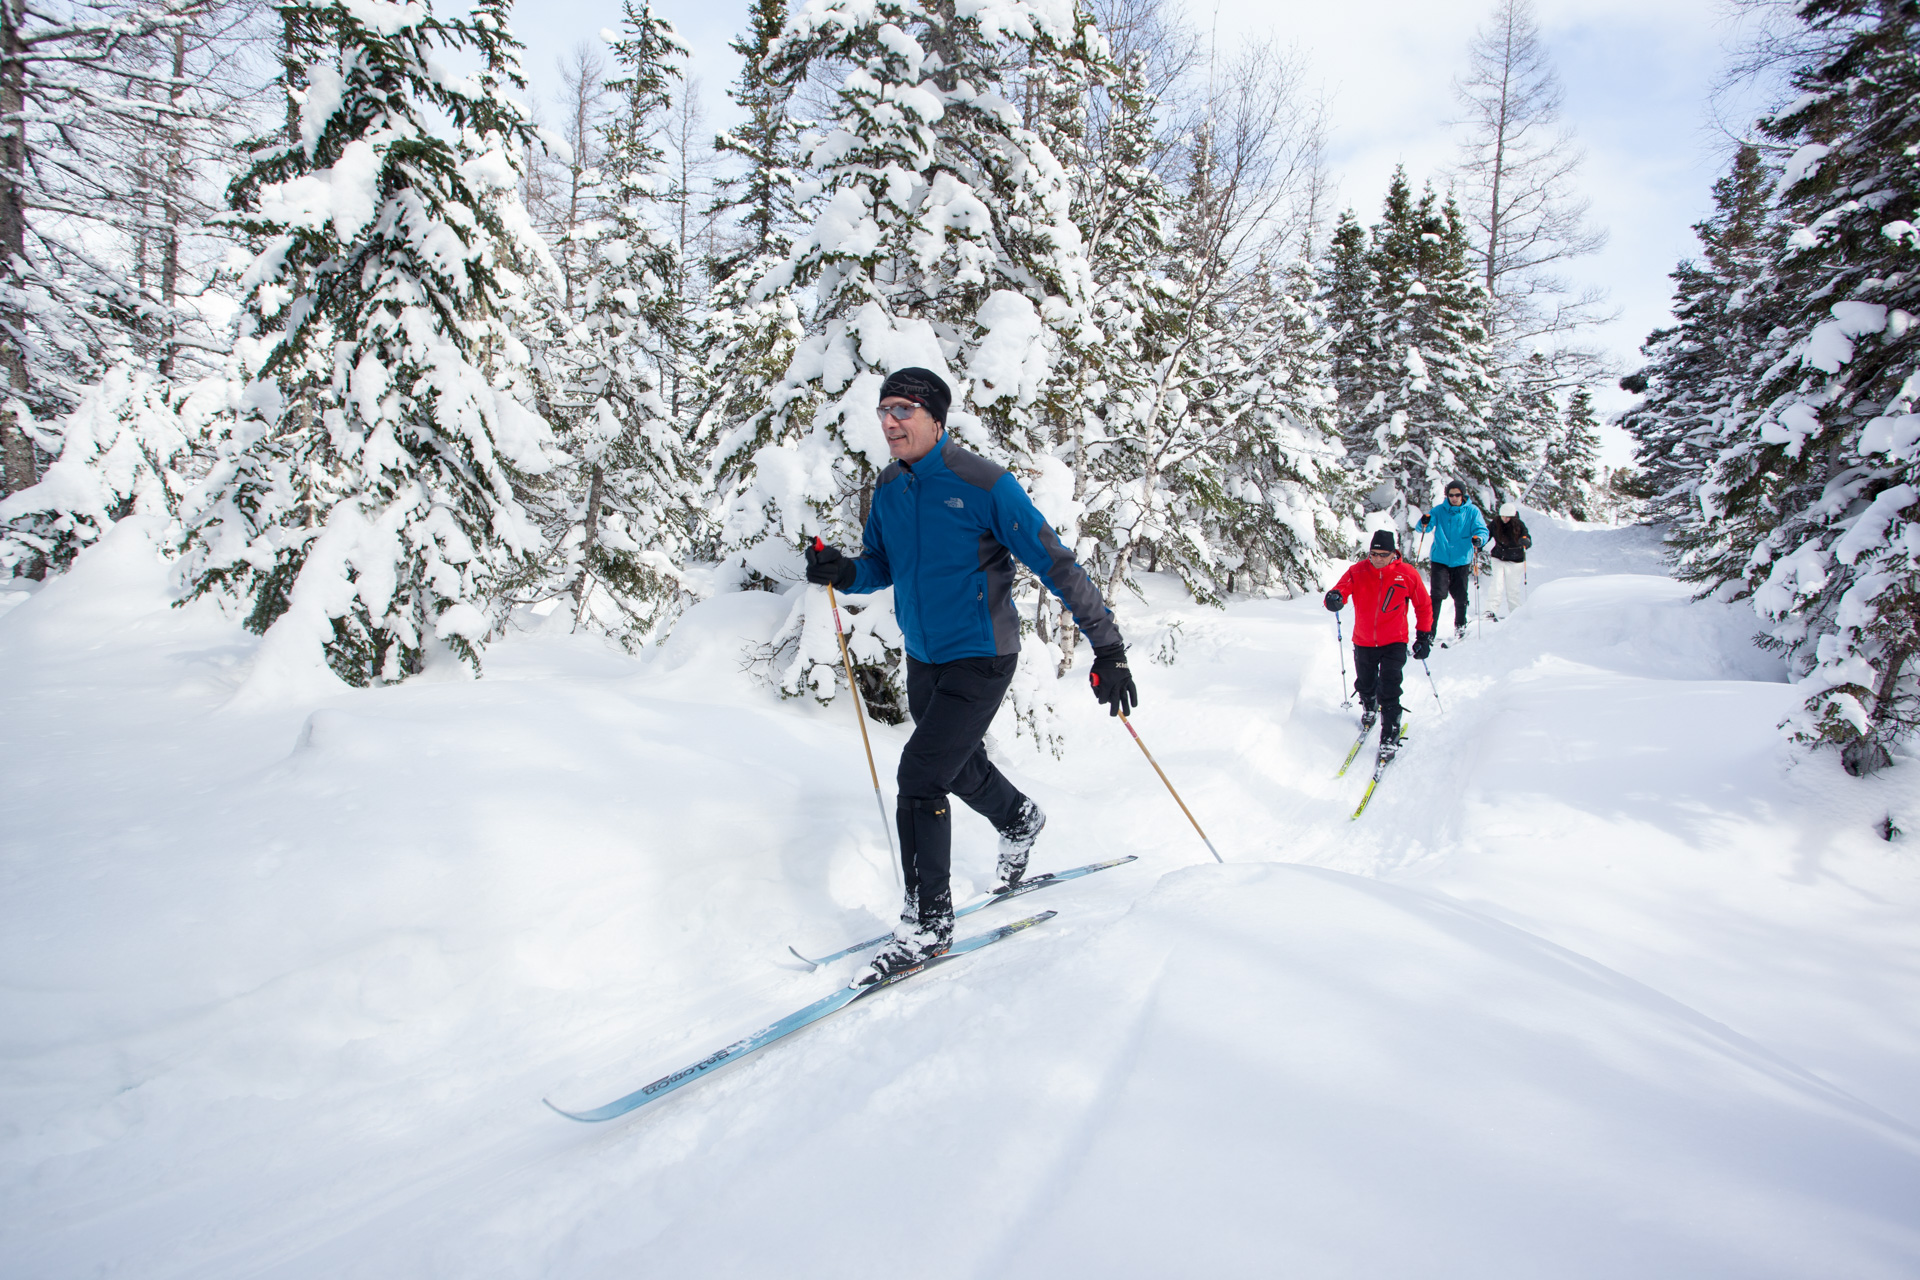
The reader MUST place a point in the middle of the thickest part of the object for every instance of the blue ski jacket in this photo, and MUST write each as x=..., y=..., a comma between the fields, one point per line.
x=1454, y=529
x=943, y=531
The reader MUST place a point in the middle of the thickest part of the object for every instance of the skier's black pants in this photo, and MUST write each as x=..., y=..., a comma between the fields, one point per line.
x=1376, y=675
x=952, y=703
x=1449, y=580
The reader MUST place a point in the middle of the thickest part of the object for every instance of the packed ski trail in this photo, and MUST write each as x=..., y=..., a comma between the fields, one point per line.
x=1607, y=980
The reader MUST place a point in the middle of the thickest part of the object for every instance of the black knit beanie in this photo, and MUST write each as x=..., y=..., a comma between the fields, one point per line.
x=922, y=386
x=1382, y=540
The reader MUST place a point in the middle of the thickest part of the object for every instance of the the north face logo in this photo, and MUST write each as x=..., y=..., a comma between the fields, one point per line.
x=955, y=503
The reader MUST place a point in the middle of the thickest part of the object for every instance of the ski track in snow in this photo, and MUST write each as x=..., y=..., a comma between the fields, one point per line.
x=1608, y=980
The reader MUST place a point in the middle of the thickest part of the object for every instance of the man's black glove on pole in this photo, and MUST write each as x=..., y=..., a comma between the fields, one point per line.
x=1334, y=602
x=1422, y=645
x=826, y=567
x=1112, y=682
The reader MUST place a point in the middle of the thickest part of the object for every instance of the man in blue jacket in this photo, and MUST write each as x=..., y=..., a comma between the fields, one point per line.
x=1459, y=530
x=944, y=528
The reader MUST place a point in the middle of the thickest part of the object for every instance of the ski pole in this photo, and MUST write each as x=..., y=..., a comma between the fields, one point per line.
x=861, y=716
x=1479, y=598
x=1340, y=641
x=1430, y=680
x=1176, y=795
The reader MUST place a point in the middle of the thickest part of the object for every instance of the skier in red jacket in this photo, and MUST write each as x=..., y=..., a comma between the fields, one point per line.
x=1381, y=587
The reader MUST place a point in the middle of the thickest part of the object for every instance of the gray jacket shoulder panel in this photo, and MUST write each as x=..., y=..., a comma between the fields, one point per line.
x=889, y=473
x=971, y=467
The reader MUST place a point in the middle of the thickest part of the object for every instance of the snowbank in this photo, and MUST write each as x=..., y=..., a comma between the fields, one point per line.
x=1607, y=981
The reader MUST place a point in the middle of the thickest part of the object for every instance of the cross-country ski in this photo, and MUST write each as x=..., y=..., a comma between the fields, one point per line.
x=828, y=1004
x=1382, y=758
x=1001, y=894
x=1353, y=752
x=535, y=541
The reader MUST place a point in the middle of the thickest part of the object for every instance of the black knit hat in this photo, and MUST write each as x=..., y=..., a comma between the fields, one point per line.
x=922, y=386
x=1382, y=540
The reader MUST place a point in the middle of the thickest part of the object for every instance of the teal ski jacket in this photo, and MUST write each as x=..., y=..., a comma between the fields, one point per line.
x=1454, y=529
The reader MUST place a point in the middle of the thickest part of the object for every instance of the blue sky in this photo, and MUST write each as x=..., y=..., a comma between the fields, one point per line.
x=1637, y=74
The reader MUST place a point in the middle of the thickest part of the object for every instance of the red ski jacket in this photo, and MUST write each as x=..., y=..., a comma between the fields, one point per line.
x=1379, y=598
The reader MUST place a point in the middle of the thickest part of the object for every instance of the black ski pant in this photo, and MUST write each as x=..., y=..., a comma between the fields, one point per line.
x=1377, y=669
x=952, y=703
x=1449, y=580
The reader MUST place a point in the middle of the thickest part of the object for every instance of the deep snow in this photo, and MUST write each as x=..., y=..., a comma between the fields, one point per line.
x=1608, y=980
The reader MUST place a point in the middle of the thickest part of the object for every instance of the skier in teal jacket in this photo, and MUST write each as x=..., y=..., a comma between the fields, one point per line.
x=1459, y=531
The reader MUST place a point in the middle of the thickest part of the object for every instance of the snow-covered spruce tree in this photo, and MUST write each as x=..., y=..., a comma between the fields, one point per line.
x=119, y=117
x=1834, y=465
x=1524, y=418
x=365, y=504
x=1569, y=474
x=943, y=239
x=626, y=511
x=1284, y=515
x=760, y=198
x=1126, y=217
x=747, y=335
x=1429, y=424
x=1160, y=467
x=1355, y=363
x=1698, y=381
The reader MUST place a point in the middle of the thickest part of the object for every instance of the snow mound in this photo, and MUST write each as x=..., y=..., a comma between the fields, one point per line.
x=1271, y=1070
x=1299, y=1047
x=1649, y=626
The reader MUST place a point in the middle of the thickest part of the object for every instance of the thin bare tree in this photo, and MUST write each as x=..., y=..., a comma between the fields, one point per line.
x=559, y=182
x=691, y=160
x=1518, y=188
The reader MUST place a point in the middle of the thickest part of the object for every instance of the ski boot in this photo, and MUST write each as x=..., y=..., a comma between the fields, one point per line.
x=1389, y=740
x=910, y=947
x=1016, y=842
x=1369, y=716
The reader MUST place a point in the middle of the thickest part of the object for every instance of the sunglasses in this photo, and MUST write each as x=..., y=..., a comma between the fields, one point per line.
x=1455, y=493
x=898, y=412
x=1380, y=555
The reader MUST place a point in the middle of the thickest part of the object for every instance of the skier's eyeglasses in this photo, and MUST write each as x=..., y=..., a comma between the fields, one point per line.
x=898, y=412
x=1379, y=555
x=1455, y=493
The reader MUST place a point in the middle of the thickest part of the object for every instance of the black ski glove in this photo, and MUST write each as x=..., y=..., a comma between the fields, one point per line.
x=826, y=567
x=1334, y=602
x=1422, y=645
x=1112, y=682
x=1424, y=522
